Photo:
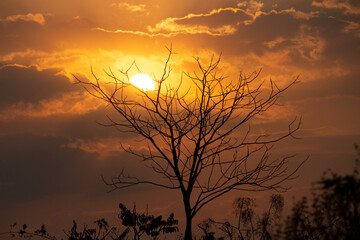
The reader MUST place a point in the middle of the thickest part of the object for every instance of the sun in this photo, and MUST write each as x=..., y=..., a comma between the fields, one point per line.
x=143, y=81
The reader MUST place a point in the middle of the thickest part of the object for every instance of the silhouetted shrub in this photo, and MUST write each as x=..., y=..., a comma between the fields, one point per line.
x=139, y=223
x=334, y=211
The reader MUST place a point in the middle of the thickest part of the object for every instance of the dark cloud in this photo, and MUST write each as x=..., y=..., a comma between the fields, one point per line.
x=22, y=35
x=55, y=34
x=305, y=37
x=312, y=43
x=251, y=37
x=34, y=167
x=43, y=181
x=268, y=27
x=338, y=114
x=85, y=126
x=90, y=125
x=22, y=84
x=347, y=84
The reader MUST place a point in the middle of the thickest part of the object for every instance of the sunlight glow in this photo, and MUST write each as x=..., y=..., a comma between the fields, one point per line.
x=143, y=81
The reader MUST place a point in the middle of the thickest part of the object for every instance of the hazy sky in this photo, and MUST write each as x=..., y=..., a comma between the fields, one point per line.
x=52, y=151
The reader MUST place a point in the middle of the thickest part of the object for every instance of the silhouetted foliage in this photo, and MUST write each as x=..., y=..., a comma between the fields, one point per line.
x=249, y=224
x=139, y=223
x=23, y=232
x=334, y=211
x=192, y=132
x=101, y=232
x=148, y=224
x=205, y=227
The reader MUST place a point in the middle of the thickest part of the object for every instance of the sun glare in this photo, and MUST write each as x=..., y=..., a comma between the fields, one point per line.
x=143, y=81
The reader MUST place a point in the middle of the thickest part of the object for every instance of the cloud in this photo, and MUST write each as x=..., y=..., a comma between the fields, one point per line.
x=306, y=40
x=352, y=27
x=131, y=7
x=104, y=146
x=44, y=182
x=302, y=15
x=328, y=83
x=67, y=104
x=30, y=17
x=341, y=48
x=38, y=166
x=304, y=46
x=176, y=29
x=73, y=119
x=140, y=33
x=217, y=22
x=28, y=84
x=55, y=167
x=27, y=92
x=23, y=35
x=44, y=100
x=347, y=6
x=296, y=14
x=194, y=29
x=252, y=5
x=174, y=25
x=337, y=111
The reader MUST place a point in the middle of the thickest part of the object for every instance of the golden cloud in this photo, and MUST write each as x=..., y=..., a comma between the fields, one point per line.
x=177, y=29
x=72, y=104
x=131, y=7
x=18, y=54
x=171, y=25
x=335, y=4
x=310, y=47
x=37, y=17
x=140, y=33
x=291, y=11
x=251, y=6
x=106, y=147
x=194, y=29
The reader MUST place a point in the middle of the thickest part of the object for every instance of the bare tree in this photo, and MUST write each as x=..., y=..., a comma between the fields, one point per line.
x=193, y=132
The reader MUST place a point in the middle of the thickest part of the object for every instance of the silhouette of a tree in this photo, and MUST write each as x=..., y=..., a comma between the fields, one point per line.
x=249, y=224
x=334, y=212
x=197, y=135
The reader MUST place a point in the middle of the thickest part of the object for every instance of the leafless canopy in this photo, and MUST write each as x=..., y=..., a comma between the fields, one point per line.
x=198, y=137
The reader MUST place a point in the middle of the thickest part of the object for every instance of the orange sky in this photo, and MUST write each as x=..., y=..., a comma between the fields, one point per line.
x=53, y=152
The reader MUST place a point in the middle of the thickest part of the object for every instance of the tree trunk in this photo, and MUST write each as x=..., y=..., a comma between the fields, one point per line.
x=188, y=231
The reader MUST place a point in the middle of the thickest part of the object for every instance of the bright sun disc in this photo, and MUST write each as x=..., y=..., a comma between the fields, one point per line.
x=143, y=81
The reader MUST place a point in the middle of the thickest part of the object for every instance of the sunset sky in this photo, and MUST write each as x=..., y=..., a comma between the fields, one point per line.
x=53, y=152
